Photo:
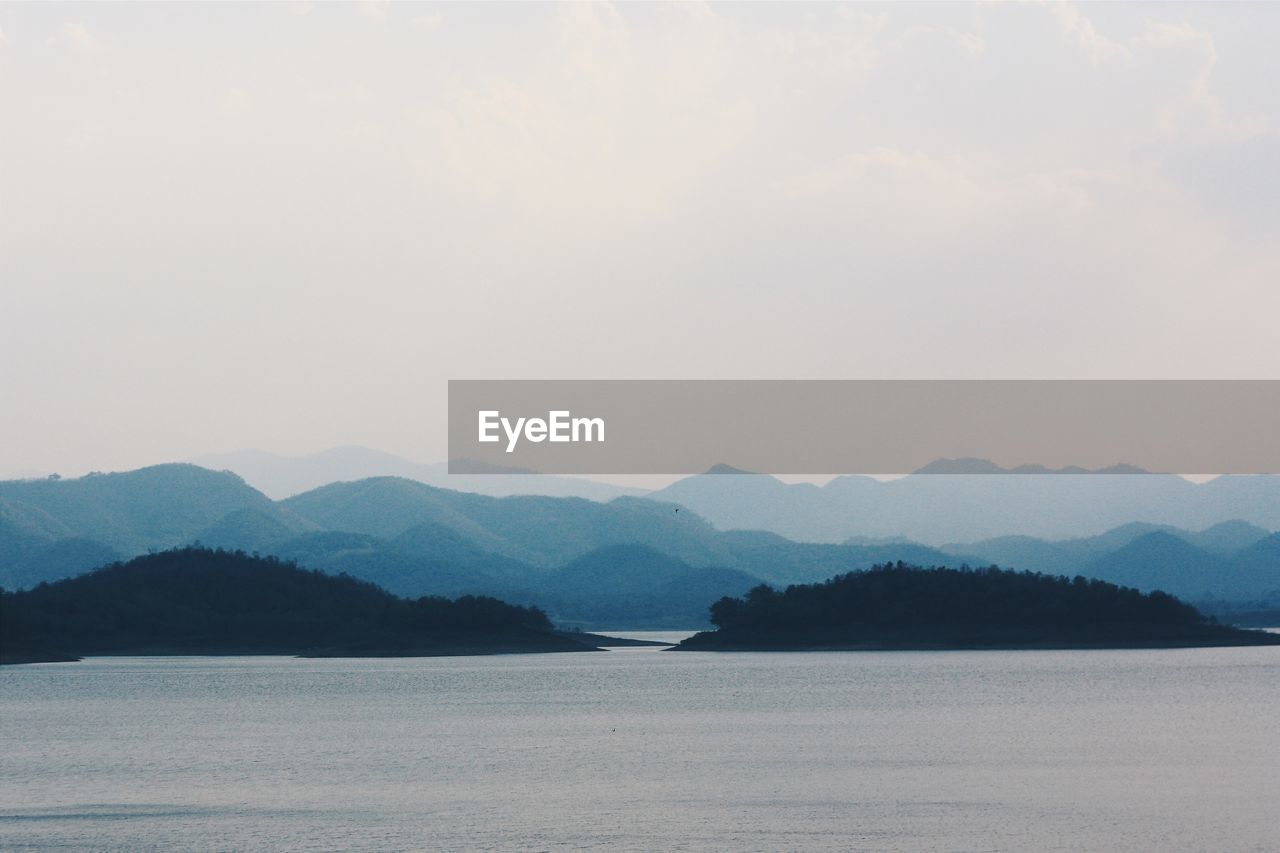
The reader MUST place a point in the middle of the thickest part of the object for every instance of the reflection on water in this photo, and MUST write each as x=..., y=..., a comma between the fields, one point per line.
x=671, y=637
x=648, y=750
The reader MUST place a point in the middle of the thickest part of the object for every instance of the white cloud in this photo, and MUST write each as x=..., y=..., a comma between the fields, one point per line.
x=1196, y=113
x=1080, y=31
x=234, y=100
x=77, y=35
x=374, y=8
x=676, y=190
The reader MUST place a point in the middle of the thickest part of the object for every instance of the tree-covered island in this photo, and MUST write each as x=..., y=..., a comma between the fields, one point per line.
x=905, y=607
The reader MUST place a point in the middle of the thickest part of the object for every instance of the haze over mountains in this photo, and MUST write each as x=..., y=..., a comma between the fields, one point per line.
x=279, y=476
x=966, y=504
x=936, y=509
x=410, y=538
x=637, y=561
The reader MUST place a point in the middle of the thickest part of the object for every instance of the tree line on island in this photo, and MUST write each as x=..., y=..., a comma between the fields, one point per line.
x=202, y=601
x=905, y=607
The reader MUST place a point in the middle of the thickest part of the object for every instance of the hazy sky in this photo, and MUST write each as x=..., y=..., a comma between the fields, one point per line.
x=286, y=226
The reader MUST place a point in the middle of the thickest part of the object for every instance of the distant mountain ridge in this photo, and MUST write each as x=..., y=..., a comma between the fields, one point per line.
x=279, y=476
x=629, y=562
x=1027, y=500
x=411, y=538
x=971, y=465
x=634, y=585
x=966, y=507
x=155, y=507
x=1230, y=561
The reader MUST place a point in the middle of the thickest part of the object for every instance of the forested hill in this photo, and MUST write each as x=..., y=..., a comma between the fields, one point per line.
x=903, y=607
x=628, y=563
x=198, y=601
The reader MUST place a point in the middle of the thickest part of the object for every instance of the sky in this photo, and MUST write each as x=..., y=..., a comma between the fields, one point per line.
x=286, y=226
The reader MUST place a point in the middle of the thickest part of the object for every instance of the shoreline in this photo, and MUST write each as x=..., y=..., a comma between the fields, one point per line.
x=557, y=643
x=711, y=645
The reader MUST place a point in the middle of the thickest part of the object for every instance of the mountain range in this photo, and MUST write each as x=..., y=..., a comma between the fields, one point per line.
x=937, y=508
x=280, y=476
x=948, y=500
x=629, y=562
x=1232, y=561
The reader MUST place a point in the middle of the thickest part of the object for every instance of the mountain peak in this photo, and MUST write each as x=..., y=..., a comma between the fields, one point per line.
x=967, y=465
x=973, y=465
x=1163, y=540
x=721, y=468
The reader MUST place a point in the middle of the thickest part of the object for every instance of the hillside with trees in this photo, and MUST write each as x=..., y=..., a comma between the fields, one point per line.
x=904, y=607
x=198, y=601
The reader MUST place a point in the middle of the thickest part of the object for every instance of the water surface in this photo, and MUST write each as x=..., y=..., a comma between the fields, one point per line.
x=640, y=749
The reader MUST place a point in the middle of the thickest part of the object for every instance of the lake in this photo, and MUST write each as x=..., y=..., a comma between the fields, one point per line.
x=641, y=749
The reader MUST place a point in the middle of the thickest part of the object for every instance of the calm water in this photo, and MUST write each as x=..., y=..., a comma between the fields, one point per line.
x=648, y=750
